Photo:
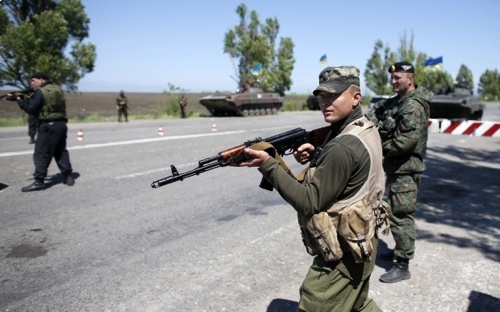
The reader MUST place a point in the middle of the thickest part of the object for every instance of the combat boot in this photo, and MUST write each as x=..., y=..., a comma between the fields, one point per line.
x=32, y=140
x=35, y=186
x=68, y=179
x=399, y=272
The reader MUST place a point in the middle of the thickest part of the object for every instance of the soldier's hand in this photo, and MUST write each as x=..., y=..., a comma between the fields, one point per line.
x=304, y=153
x=255, y=158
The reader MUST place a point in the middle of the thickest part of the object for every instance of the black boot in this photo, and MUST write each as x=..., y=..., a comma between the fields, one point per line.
x=35, y=186
x=32, y=140
x=68, y=179
x=399, y=272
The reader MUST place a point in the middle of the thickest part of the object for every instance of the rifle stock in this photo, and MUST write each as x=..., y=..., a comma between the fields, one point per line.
x=285, y=143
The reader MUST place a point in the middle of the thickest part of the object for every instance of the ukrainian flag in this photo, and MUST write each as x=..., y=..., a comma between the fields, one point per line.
x=256, y=69
x=433, y=61
x=323, y=59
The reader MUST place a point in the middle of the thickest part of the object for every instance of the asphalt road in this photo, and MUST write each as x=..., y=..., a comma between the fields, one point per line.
x=216, y=242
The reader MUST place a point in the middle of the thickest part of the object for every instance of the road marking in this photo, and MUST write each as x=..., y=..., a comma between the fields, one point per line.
x=165, y=169
x=87, y=146
x=177, y=137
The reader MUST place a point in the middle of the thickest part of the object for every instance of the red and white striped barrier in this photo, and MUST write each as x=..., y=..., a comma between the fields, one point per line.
x=461, y=127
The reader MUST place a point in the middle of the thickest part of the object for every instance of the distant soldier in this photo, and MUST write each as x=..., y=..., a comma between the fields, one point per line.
x=183, y=104
x=121, y=106
x=245, y=86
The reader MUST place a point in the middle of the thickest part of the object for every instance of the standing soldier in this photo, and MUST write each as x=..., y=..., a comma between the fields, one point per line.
x=183, y=104
x=122, y=106
x=337, y=201
x=402, y=122
x=49, y=107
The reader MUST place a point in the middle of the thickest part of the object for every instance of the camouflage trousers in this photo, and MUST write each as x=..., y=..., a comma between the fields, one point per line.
x=402, y=198
x=122, y=110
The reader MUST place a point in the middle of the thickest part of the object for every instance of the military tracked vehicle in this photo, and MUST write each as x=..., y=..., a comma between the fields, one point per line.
x=456, y=103
x=252, y=101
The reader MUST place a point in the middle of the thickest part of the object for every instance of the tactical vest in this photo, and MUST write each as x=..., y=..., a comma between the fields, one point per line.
x=54, y=105
x=350, y=224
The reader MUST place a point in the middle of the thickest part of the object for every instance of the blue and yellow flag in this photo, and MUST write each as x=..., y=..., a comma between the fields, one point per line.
x=256, y=69
x=433, y=61
x=434, y=64
x=323, y=59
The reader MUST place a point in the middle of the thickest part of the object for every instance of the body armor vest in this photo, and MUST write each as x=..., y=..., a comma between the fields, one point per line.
x=54, y=105
x=350, y=224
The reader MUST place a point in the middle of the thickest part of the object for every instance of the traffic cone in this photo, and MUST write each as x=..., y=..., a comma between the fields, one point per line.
x=160, y=130
x=79, y=135
x=214, y=127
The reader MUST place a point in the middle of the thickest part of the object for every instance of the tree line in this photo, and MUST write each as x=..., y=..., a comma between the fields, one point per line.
x=254, y=43
x=47, y=36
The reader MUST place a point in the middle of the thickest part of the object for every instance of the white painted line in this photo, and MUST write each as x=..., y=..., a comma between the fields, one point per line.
x=128, y=142
x=133, y=175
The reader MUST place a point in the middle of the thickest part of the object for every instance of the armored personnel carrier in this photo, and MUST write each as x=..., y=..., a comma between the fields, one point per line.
x=252, y=101
x=456, y=103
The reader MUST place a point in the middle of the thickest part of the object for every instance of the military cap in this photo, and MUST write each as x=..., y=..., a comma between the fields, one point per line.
x=337, y=79
x=40, y=75
x=402, y=67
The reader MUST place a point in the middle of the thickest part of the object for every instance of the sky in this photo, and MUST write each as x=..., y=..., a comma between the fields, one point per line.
x=143, y=46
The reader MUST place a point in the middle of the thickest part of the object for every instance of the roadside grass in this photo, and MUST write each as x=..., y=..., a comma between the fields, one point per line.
x=12, y=122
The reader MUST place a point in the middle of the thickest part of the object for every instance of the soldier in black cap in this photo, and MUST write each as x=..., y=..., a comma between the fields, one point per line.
x=402, y=122
x=49, y=107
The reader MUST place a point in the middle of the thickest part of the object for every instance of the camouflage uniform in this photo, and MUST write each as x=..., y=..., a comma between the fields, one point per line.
x=403, y=125
x=122, y=106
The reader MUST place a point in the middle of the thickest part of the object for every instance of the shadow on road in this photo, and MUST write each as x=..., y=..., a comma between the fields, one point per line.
x=282, y=305
x=462, y=195
x=58, y=178
x=480, y=302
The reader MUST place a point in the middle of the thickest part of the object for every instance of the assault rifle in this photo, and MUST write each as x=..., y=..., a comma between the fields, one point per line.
x=285, y=144
x=12, y=96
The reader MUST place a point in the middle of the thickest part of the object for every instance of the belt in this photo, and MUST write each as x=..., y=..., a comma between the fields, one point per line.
x=53, y=120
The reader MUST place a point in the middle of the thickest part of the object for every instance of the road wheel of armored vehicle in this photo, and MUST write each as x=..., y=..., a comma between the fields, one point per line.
x=274, y=111
x=245, y=112
x=262, y=111
x=268, y=111
x=251, y=112
x=477, y=115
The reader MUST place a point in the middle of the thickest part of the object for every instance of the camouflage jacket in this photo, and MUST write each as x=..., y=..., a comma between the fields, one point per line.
x=402, y=123
x=120, y=99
